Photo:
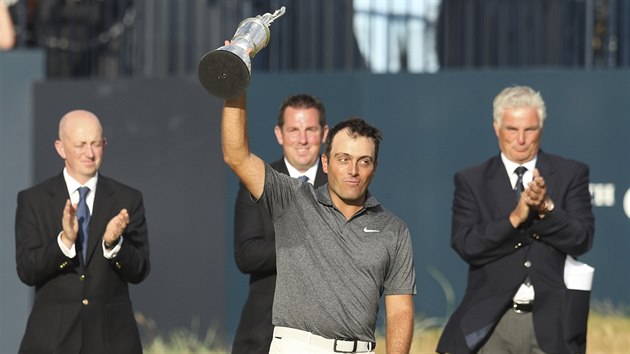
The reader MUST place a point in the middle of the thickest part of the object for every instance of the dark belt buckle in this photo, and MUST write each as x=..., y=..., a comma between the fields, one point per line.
x=522, y=308
x=355, y=343
x=354, y=346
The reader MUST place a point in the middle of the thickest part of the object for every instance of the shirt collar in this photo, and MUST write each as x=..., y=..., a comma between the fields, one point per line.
x=311, y=173
x=510, y=166
x=323, y=196
x=72, y=184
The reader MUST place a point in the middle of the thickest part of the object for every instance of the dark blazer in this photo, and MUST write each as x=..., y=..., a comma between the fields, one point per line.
x=255, y=254
x=500, y=257
x=80, y=306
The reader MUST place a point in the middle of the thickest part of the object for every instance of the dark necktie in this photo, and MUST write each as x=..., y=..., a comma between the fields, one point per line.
x=518, y=187
x=303, y=179
x=83, y=215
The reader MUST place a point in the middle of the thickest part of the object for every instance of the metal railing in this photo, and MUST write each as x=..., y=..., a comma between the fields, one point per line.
x=159, y=38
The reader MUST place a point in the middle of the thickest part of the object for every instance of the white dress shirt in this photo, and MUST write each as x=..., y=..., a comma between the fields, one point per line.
x=310, y=173
x=526, y=292
x=73, y=192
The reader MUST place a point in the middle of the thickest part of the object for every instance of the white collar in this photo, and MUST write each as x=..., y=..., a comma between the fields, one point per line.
x=510, y=165
x=310, y=173
x=72, y=184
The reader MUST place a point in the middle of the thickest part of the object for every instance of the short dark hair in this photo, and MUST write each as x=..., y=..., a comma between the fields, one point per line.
x=357, y=127
x=302, y=101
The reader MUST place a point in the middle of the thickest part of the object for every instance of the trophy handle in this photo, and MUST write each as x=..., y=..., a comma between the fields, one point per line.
x=268, y=18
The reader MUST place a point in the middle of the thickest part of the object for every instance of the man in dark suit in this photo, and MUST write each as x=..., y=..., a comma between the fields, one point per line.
x=80, y=239
x=300, y=130
x=516, y=219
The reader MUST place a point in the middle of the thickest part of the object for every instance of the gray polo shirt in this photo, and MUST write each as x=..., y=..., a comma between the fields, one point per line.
x=332, y=271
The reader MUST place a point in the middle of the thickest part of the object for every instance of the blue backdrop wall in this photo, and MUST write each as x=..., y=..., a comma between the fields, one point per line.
x=436, y=124
x=164, y=139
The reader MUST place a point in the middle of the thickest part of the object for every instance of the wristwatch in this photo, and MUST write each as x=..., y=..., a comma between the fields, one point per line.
x=545, y=207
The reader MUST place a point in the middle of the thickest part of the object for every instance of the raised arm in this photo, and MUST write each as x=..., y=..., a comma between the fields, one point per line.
x=235, y=142
x=7, y=30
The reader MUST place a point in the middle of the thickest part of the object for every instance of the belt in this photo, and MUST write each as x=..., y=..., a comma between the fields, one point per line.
x=522, y=307
x=338, y=345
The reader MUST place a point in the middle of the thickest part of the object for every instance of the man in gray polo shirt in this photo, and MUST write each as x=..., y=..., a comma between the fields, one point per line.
x=338, y=250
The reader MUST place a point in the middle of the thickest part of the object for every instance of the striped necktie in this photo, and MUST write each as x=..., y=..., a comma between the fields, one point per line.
x=518, y=187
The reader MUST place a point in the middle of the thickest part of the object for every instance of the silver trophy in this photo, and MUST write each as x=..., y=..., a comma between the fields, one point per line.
x=225, y=71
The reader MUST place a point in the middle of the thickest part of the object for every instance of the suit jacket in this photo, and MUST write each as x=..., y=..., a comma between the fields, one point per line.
x=255, y=254
x=501, y=257
x=81, y=306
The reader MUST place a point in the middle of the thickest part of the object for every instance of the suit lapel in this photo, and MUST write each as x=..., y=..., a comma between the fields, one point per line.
x=280, y=166
x=498, y=183
x=547, y=170
x=320, y=178
x=59, y=196
x=102, y=210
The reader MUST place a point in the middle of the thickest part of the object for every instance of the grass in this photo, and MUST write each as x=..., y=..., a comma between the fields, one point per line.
x=182, y=342
x=607, y=334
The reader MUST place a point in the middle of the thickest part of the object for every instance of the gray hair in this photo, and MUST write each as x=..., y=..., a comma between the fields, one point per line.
x=518, y=97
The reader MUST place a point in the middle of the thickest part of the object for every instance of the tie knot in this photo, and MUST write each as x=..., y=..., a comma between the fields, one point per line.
x=83, y=191
x=520, y=171
x=303, y=179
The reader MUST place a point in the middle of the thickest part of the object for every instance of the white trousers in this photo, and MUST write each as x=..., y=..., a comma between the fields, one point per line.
x=294, y=341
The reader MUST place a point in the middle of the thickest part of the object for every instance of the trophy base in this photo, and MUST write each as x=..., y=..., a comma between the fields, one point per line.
x=223, y=74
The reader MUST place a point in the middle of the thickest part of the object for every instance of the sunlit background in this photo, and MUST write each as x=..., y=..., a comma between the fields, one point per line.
x=425, y=71
x=158, y=38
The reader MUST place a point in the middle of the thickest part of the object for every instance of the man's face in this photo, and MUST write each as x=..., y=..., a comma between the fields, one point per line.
x=301, y=136
x=81, y=145
x=519, y=134
x=350, y=168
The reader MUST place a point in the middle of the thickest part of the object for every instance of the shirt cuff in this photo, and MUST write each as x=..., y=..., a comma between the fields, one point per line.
x=109, y=254
x=68, y=252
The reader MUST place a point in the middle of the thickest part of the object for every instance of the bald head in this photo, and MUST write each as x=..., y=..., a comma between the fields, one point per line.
x=77, y=119
x=80, y=144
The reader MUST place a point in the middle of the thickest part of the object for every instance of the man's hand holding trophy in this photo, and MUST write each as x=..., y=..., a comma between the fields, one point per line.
x=225, y=71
